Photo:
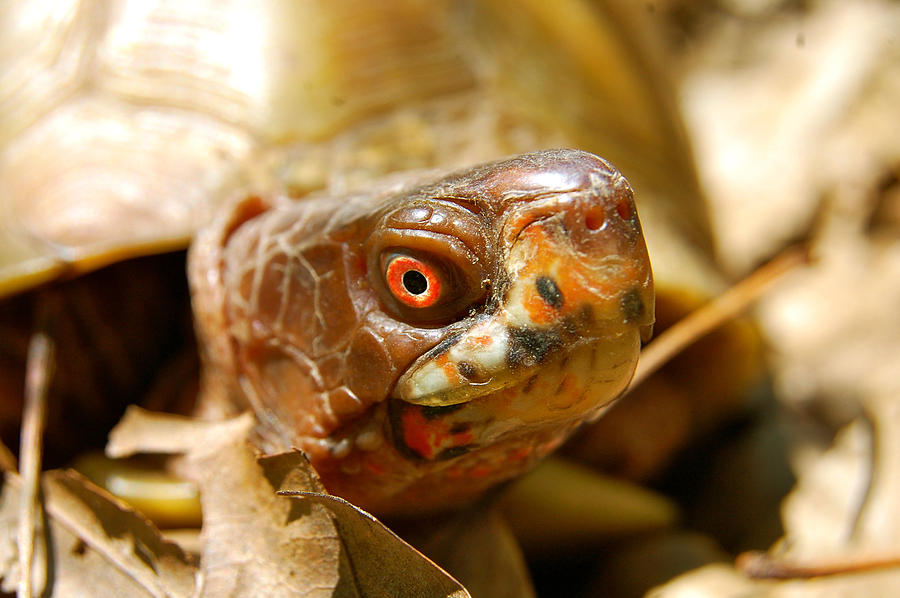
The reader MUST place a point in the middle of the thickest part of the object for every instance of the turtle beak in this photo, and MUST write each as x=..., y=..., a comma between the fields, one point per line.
x=578, y=275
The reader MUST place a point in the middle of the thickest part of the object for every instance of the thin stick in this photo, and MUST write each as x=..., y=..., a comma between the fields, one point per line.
x=724, y=308
x=759, y=565
x=37, y=377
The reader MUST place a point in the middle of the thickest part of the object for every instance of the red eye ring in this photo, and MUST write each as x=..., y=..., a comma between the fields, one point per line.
x=412, y=281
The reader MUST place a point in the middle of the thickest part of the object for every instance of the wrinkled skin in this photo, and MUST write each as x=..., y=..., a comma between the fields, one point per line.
x=523, y=317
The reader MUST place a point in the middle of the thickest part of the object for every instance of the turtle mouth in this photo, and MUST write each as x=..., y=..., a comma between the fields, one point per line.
x=555, y=395
x=491, y=356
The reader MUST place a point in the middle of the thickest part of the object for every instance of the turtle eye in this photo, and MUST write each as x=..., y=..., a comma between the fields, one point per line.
x=412, y=281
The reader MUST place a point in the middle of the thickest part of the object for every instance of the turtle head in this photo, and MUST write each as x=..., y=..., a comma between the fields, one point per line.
x=552, y=261
x=556, y=296
x=453, y=329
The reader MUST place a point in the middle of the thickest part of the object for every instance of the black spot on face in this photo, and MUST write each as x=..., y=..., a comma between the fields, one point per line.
x=632, y=305
x=530, y=346
x=472, y=372
x=436, y=412
x=549, y=292
x=459, y=428
x=467, y=370
x=574, y=324
x=79, y=549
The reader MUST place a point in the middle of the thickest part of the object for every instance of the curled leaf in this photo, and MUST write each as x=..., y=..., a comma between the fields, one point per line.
x=379, y=561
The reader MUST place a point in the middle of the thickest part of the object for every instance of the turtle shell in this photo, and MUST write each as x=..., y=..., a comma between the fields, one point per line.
x=124, y=124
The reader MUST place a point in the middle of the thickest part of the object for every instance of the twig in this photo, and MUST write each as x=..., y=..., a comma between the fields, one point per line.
x=724, y=308
x=37, y=378
x=759, y=565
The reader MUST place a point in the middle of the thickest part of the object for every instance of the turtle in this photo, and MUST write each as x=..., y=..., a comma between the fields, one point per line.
x=409, y=337
x=132, y=126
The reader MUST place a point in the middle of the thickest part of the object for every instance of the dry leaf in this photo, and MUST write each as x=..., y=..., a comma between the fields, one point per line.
x=99, y=546
x=791, y=114
x=841, y=525
x=782, y=110
x=143, y=431
x=257, y=543
x=380, y=562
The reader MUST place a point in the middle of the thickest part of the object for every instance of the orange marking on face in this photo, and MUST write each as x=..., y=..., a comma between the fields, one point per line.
x=538, y=310
x=520, y=454
x=462, y=438
x=429, y=437
x=416, y=433
x=544, y=244
x=481, y=471
x=482, y=341
x=450, y=370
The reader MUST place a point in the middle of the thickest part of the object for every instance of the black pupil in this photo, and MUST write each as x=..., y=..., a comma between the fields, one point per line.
x=415, y=282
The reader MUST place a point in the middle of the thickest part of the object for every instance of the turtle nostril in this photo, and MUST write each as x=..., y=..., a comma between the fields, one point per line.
x=623, y=208
x=594, y=218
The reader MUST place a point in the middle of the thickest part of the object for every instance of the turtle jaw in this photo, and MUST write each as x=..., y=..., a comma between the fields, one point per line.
x=526, y=414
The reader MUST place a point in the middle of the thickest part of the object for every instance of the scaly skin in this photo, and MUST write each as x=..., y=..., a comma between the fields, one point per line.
x=545, y=294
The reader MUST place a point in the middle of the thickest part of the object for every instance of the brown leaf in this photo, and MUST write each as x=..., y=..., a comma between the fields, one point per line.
x=142, y=431
x=9, y=515
x=99, y=546
x=381, y=564
x=291, y=471
x=257, y=543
